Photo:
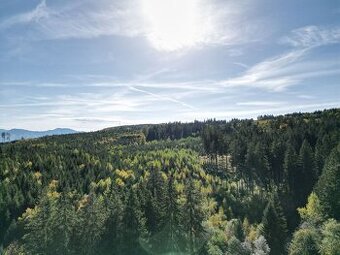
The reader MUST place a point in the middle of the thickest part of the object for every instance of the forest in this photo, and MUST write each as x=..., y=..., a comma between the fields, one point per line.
x=269, y=186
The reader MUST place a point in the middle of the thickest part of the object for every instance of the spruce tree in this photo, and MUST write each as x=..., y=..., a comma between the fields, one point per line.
x=133, y=226
x=170, y=240
x=306, y=242
x=308, y=171
x=291, y=170
x=156, y=203
x=328, y=186
x=193, y=216
x=274, y=227
x=174, y=217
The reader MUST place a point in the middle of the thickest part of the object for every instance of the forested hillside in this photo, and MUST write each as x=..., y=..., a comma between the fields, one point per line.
x=265, y=186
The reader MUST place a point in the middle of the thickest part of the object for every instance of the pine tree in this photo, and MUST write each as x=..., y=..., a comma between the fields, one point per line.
x=308, y=171
x=92, y=219
x=330, y=244
x=62, y=221
x=312, y=213
x=133, y=226
x=193, y=216
x=113, y=224
x=174, y=217
x=170, y=239
x=291, y=170
x=261, y=247
x=156, y=203
x=38, y=224
x=274, y=227
x=328, y=186
x=305, y=241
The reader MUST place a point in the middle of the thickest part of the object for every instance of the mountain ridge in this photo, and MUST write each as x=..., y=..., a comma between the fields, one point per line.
x=18, y=133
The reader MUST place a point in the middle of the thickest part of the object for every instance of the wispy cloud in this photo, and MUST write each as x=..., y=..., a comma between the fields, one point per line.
x=219, y=24
x=312, y=36
x=266, y=74
x=291, y=68
x=40, y=12
x=167, y=98
x=49, y=23
x=261, y=103
x=241, y=65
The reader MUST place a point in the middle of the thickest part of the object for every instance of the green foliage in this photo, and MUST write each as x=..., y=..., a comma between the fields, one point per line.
x=172, y=188
x=328, y=186
x=305, y=242
x=274, y=227
x=330, y=244
x=313, y=212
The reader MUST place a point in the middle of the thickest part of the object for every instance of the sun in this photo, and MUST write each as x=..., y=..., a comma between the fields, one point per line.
x=173, y=24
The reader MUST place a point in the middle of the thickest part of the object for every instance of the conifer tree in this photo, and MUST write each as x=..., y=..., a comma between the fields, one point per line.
x=133, y=226
x=328, y=186
x=174, y=218
x=170, y=240
x=156, y=203
x=193, y=215
x=305, y=241
x=308, y=171
x=274, y=227
x=291, y=170
x=330, y=244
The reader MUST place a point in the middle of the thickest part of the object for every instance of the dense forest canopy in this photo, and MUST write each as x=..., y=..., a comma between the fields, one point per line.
x=265, y=186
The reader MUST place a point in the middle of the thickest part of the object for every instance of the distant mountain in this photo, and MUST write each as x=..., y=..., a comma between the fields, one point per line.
x=17, y=134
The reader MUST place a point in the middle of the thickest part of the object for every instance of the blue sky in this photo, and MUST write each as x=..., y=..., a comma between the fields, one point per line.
x=88, y=65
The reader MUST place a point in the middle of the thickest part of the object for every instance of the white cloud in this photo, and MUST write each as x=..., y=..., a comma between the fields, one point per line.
x=162, y=98
x=40, y=12
x=217, y=23
x=76, y=22
x=291, y=68
x=261, y=103
x=312, y=36
x=266, y=73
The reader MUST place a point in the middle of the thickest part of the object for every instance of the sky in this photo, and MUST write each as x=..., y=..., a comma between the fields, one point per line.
x=89, y=65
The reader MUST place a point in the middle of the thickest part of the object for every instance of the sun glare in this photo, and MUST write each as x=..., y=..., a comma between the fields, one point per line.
x=173, y=24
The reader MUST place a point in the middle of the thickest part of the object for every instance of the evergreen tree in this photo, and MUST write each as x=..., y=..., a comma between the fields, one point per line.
x=261, y=247
x=133, y=226
x=235, y=247
x=274, y=227
x=291, y=170
x=170, y=240
x=174, y=218
x=193, y=216
x=156, y=203
x=92, y=218
x=308, y=171
x=312, y=213
x=305, y=242
x=113, y=224
x=330, y=244
x=328, y=186
x=39, y=225
x=62, y=222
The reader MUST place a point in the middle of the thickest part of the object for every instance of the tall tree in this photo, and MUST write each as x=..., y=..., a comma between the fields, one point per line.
x=291, y=170
x=308, y=171
x=306, y=242
x=328, y=186
x=133, y=226
x=274, y=227
x=193, y=216
x=170, y=240
x=330, y=244
x=156, y=202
